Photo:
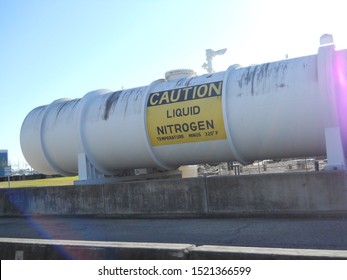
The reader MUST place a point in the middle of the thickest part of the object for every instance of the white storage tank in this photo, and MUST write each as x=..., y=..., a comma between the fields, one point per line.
x=273, y=110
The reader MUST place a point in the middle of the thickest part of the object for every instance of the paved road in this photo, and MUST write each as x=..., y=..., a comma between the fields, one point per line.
x=260, y=232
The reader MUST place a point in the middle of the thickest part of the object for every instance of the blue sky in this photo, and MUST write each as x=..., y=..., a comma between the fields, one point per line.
x=54, y=49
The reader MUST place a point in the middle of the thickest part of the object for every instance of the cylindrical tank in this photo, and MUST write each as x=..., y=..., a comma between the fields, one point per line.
x=272, y=110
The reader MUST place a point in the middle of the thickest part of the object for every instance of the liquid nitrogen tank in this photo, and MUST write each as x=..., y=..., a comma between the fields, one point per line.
x=284, y=109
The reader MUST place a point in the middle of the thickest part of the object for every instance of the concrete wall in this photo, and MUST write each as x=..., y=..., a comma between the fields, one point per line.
x=42, y=249
x=278, y=193
x=273, y=194
x=45, y=249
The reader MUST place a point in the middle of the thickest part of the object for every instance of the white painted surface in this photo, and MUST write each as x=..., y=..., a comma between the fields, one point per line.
x=272, y=110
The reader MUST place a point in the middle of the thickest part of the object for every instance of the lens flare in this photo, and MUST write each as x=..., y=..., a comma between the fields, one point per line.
x=47, y=228
x=340, y=78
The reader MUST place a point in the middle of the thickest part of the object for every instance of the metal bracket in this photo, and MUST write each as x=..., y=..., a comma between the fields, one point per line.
x=86, y=170
x=89, y=175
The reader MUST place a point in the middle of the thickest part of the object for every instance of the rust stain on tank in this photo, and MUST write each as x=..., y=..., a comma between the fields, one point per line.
x=111, y=101
x=188, y=81
x=66, y=103
x=131, y=97
x=263, y=71
x=258, y=78
x=253, y=75
x=61, y=106
x=180, y=82
x=247, y=77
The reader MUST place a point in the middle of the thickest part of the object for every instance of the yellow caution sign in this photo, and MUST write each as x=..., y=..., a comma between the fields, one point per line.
x=185, y=115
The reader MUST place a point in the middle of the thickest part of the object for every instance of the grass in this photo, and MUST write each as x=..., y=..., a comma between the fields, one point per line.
x=51, y=182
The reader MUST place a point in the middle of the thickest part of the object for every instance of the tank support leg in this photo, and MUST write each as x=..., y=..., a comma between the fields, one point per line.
x=333, y=140
x=335, y=153
x=86, y=170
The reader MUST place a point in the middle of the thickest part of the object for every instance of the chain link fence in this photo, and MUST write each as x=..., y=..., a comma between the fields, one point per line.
x=263, y=167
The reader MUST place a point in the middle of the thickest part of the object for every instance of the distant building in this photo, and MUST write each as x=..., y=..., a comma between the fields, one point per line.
x=3, y=162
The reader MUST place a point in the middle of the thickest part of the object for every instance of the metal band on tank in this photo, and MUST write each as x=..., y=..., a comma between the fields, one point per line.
x=43, y=144
x=233, y=149
x=83, y=143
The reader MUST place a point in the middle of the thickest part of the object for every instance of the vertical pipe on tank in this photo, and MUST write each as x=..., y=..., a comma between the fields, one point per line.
x=45, y=150
x=235, y=154
x=325, y=64
x=81, y=121
x=340, y=74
